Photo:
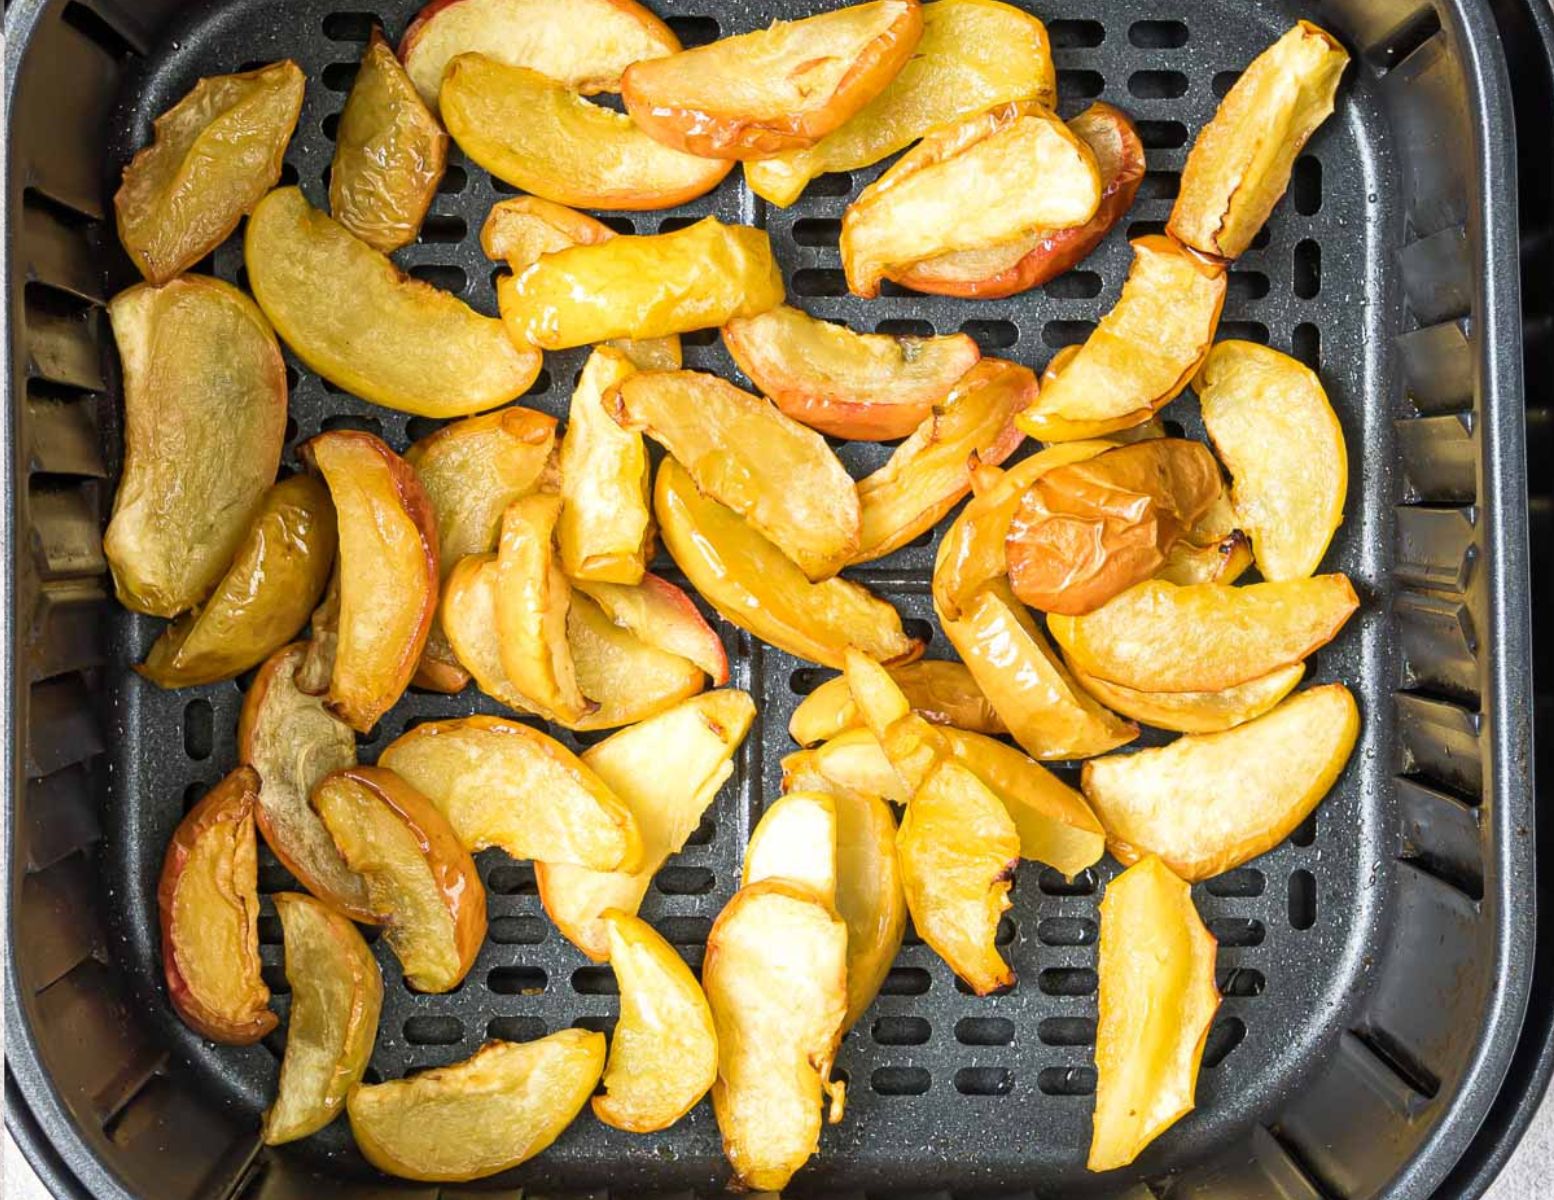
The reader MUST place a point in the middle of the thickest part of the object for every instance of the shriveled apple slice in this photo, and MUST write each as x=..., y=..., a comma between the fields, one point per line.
x=292, y=740
x=204, y=423
x=664, y=617
x=629, y=679
x=755, y=586
x=869, y=386
x=496, y=1109
x=1028, y=170
x=744, y=453
x=214, y=155
x=1223, y=561
x=389, y=154
x=417, y=873
x=1144, y=351
x=995, y=272
x=1271, y=423
x=1240, y=163
x=539, y=135
x=649, y=286
x=585, y=44
x=336, y=996
x=1157, y=1000
x=668, y=768
x=266, y=596
x=1158, y=637
x=532, y=599
x=388, y=571
x=782, y=88
x=1194, y=712
x=504, y=784
x=208, y=902
x=795, y=840
x=776, y=977
x=605, y=530
x=958, y=849
x=941, y=692
x=869, y=896
x=664, y=1053
x=1209, y=802
x=973, y=54
x=351, y=315
x=928, y=473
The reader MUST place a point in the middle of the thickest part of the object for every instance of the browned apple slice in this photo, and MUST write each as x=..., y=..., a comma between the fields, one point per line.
x=204, y=423
x=208, y=899
x=782, y=88
x=941, y=692
x=1221, y=561
x=664, y=617
x=868, y=386
x=417, y=874
x=1194, y=712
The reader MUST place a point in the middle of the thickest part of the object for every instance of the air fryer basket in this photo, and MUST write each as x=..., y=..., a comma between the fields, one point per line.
x=1375, y=968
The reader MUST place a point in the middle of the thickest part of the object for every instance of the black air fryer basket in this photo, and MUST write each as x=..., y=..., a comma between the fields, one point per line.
x=1376, y=968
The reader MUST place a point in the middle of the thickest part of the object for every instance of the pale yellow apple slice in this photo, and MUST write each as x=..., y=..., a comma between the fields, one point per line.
x=1194, y=712
x=661, y=615
x=940, y=691
x=853, y=761
x=795, y=840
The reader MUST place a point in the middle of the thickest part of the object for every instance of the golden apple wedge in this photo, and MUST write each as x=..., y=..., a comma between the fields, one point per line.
x=939, y=691
x=795, y=841
x=1194, y=712
x=869, y=895
x=853, y=761
x=662, y=616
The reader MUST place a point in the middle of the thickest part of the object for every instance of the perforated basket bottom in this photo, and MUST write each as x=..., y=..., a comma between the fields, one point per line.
x=945, y=1089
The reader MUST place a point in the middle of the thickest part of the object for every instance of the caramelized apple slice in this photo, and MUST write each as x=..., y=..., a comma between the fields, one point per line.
x=1223, y=561
x=662, y=616
x=782, y=88
x=479, y=1117
x=605, y=530
x=698, y=277
x=1194, y=712
x=928, y=473
x=532, y=599
x=204, y=422
x=539, y=135
x=755, y=586
x=351, y=315
x=775, y=973
x=869, y=896
x=939, y=691
x=1028, y=170
x=1207, y=803
x=1142, y=354
x=868, y=386
x=214, y=155
x=336, y=995
x=795, y=841
x=208, y=899
x=742, y=452
x=1158, y=637
x=664, y=1053
x=1157, y=1001
x=417, y=873
x=1240, y=163
x=973, y=54
x=503, y=784
x=1271, y=423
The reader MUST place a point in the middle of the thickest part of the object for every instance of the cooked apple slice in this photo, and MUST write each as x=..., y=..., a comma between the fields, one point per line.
x=958, y=849
x=1157, y=1000
x=852, y=761
x=928, y=473
x=389, y=154
x=776, y=977
x=664, y=1053
x=468, y=615
x=868, y=386
x=539, y=135
x=336, y=995
x=994, y=272
x=795, y=841
x=782, y=88
x=605, y=530
x=1271, y=423
x=913, y=746
x=351, y=315
x=668, y=769
x=664, y=617
x=585, y=44
x=1222, y=561
x=939, y=691
x=417, y=874
x=496, y=1109
x=213, y=156
x=869, y=895
x=500, y=783
x=744, y=453
x=755, y=586
x=1142, y=354
x=973, y=54
x=1194, y=712
x=1158, y=637
x=1209, y=802
x=208, y=898
x=204, y=423
x=1240, y=163
x=651, y=286
x=1028, y=170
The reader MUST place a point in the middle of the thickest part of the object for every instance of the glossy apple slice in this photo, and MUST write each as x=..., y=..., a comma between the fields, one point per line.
x=629, y=679
x=853, y=761
x=662, y=616
x=1222, y=561
x=468, y=615
x=869, y=895
x=940, y=691
x=532, y=599
x=1194, y=712
x=795, y=841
